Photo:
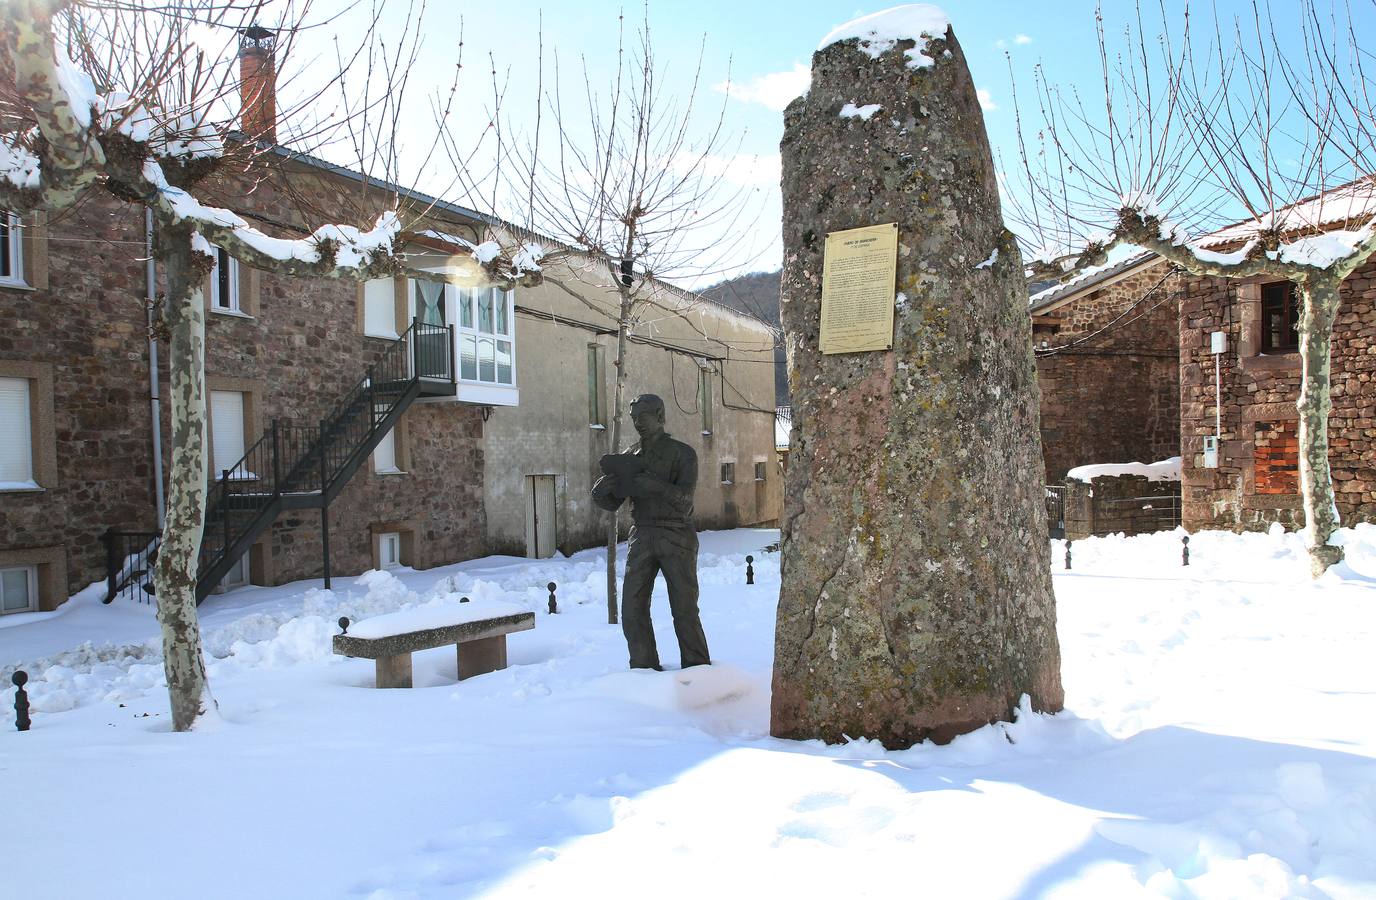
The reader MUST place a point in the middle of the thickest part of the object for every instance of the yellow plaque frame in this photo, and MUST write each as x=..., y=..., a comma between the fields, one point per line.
x=858, y=270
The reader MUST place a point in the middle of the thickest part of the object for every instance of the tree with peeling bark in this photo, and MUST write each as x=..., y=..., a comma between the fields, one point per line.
x=152, y=141
x=1265, y=121
x=634, y=183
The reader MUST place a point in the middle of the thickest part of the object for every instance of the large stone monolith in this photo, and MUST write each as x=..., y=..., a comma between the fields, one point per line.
x=916, y=600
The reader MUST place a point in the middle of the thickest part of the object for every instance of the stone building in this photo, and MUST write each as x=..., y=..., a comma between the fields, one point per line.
x=469, y=467
x=1108, y=365
x=1256, y=481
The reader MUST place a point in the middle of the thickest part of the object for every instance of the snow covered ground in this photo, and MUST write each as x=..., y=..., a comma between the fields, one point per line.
x=1219, y=741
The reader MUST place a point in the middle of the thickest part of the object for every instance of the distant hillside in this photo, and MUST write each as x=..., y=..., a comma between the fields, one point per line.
x=758, y=295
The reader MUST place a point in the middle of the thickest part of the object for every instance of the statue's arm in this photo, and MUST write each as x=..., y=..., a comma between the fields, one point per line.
x=603, y=496
x=680, y=486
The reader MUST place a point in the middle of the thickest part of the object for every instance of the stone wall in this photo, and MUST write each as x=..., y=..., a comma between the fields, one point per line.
x=1109, y=374
x=81, y=330
x=1255, y=483
x=1120, y=504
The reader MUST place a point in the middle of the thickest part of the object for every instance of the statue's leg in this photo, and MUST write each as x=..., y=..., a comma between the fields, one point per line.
x=639, y=584
x=677, y=550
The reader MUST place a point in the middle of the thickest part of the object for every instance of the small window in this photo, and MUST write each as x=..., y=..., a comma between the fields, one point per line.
x=389, y=550
x=11, y=249
x=760, y=470
x=18, y=590
x=237, y=576
x=385, y=453
x=597, y=380
x=226, y=431
x=705, y=396
x=379, y=308
x=224, y=282
x=16, y=435
x=728, y=473
x=1279, y=318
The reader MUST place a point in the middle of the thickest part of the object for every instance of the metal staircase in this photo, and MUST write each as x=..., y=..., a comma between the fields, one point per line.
x=305, y=466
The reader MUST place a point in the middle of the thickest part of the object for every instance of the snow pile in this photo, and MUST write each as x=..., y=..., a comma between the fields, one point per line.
x=1165, y=470
x=18, y=166
x=851, y=111
x=878, y=32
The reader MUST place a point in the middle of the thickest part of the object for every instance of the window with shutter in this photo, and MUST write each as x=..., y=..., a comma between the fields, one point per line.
x=379, y=308
x=226, y=429
x=16, y=435
x=18, y=590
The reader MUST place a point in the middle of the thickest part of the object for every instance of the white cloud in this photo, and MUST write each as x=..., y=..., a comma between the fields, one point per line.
x=986, y=100
x=1022, y=39
x=743, y=169
x=775, y=90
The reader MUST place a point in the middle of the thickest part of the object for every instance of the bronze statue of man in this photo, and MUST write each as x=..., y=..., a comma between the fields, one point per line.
x=659, y=477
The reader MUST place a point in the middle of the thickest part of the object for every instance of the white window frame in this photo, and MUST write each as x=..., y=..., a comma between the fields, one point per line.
x=372, y=291
x=32, y=579
x=239, y=574
x=24, y=479
x=219, y=451
x=464, y=333
x=390, y=438
x=14, y=241
x=384, y=540
x=222, y=257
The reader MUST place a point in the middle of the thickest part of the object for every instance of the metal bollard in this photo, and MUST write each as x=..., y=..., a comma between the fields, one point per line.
x=1185, y=550
x=21, y=701
x=553, y=603
x=749, y=570
x=1067, y=554
x=343, y=624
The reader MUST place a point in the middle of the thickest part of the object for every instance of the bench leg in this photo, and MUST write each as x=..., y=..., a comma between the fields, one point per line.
x=479, y=657
x=394, y=671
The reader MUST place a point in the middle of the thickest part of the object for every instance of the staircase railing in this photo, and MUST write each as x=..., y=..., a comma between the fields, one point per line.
x=309, y=464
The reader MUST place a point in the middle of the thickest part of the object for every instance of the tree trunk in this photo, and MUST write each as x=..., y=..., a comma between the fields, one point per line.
x=179, y=552
x=618, y=398
x=916, y=597
x=1321, y=298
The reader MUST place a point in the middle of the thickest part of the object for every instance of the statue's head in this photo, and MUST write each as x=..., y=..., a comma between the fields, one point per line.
x=647, y=414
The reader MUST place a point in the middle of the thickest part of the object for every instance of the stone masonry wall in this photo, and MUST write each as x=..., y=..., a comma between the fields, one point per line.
x=1253, y=487
x=296, y=353
x=1110, y=376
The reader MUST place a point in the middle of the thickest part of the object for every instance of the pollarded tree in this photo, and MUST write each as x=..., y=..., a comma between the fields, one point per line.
x=1265, y=121
x=152, y=141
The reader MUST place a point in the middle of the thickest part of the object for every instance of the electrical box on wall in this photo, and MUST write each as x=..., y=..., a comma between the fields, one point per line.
x=1211, y=452
x=1218, y=342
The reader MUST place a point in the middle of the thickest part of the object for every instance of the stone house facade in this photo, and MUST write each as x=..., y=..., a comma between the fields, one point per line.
x=446, y=484
x=1107, y=348
x=1256, y=481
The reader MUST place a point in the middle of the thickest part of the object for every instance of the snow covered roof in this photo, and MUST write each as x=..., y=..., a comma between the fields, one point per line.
x=1349, y=204
x=1122, y=260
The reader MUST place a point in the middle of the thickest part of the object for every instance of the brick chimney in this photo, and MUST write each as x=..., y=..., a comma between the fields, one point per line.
x=258, y=83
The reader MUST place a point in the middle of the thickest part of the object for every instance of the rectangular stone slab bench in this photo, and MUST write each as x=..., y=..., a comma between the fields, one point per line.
x=479, y=633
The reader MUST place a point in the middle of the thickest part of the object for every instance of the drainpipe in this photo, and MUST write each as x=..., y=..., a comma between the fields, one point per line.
x=154, y=401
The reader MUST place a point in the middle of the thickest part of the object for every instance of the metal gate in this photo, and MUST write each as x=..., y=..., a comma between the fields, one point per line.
x=1055, y=510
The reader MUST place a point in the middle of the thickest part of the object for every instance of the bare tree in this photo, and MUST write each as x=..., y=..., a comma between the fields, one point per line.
x=1271, y=123
x=153, y=140
x=634, y=182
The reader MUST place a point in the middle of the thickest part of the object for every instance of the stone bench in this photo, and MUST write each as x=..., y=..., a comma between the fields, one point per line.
x=479, y=630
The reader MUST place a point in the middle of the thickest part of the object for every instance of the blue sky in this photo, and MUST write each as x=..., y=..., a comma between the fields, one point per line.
x=764, y=48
